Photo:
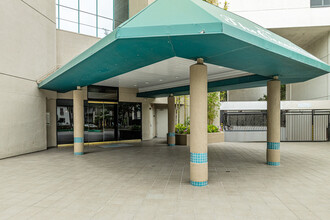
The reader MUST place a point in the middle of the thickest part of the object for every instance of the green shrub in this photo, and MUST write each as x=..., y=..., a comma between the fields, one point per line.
x=212, y=129
x=188, y=130
x=182, y=129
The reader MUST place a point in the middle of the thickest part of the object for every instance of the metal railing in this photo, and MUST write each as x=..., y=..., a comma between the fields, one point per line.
x=311, y=125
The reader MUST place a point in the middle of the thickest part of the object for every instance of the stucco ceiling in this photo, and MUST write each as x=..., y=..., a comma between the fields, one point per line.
x=302, y=36
x=169, y=73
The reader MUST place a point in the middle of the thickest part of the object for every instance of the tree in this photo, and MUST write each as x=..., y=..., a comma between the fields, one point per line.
x=213, y=106
x=283, y=92
x=178, y=108
x=215, y=2
x=223, y=96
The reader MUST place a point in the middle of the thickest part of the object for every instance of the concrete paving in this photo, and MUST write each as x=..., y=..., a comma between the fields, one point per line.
x=150, y=180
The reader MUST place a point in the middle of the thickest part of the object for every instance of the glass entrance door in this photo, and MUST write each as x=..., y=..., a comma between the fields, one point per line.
x=110, y=122
x=95, y=122
x=102, y=122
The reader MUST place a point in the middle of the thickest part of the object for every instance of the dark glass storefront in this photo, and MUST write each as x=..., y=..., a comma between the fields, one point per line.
x=105, y=119
x=129, y=121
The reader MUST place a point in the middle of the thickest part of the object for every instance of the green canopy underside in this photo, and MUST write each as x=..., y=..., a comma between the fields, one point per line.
x=189, y=29
x=216, y=86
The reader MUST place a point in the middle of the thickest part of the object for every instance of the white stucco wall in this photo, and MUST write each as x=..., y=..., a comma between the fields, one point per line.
x=318, y=88
x=136, y=5
x=281, y=13
x=252, y=94
x=70, y=45
x=27, y=51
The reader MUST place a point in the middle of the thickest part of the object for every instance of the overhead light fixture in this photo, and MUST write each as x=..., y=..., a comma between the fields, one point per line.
x=160, y=80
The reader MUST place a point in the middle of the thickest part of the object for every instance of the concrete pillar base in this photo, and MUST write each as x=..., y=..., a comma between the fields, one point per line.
x=273, y=154
x=205, y=183
x=79, y=153
x=171, y=139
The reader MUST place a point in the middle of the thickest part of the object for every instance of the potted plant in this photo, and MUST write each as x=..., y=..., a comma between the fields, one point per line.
x=182, y=134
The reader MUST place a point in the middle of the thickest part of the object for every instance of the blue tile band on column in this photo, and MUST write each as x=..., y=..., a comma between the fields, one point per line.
x=198, y=157
x=171, y=134
x=79, y=153
x=171, y=145
x=78, y=140
x=205, y=183
x=273, y=146
x=273, y=163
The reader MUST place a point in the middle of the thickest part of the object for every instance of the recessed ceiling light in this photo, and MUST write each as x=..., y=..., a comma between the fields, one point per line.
x=147, y=82
x=161, y=80
x=135, y=85
x=177, y=77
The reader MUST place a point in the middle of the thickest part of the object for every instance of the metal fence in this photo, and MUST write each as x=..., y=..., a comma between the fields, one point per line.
x=311, y=125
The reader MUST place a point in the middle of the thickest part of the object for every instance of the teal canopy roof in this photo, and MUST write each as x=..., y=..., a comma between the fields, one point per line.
x=189, y=29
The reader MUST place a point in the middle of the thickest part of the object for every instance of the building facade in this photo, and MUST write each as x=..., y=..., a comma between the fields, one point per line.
x=36, y=46
x=33, y=48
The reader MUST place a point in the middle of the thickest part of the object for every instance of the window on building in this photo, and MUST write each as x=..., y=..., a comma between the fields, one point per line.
x=90, y=17
x=320, y=3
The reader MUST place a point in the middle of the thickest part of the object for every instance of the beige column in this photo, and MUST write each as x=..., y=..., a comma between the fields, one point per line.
x=198, y=124
x=273, y=122
x=171, y=121
x=78, y=121
x=51, y=127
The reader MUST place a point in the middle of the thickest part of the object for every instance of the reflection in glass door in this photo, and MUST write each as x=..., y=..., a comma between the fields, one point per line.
x=129, y=121
x=102, y=122
x=95, y=122
x=110, y=122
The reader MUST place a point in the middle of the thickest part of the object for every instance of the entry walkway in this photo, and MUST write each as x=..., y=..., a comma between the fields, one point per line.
x=150, y=180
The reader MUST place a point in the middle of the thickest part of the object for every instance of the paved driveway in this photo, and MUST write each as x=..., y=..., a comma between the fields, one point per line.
x=151, y=181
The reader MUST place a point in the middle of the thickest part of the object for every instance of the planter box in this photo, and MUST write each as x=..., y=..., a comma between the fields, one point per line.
x=181, y=139
x=216, y=137
x=184, y=139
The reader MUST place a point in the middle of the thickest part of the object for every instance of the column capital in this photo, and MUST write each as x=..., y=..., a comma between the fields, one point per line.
x=200, y=60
